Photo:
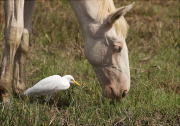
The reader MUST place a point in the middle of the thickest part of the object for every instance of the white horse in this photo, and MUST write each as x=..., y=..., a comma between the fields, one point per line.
x=103, y=28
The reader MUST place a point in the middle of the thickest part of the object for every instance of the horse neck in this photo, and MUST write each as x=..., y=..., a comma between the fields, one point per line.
x=86, y=11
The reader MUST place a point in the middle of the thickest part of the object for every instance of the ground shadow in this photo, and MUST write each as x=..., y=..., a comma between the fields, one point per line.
x=59, y=102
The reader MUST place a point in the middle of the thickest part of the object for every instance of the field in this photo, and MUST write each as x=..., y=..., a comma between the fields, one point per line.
x=56, y=47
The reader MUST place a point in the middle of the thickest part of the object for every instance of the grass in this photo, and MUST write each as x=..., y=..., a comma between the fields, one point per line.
x=56, y=47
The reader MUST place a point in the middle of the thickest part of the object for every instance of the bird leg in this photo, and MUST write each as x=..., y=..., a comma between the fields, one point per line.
x=49, y=96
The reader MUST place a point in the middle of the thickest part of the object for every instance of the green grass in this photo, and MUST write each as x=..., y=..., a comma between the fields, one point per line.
x=56, y=47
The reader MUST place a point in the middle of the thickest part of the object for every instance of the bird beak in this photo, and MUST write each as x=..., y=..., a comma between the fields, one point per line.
x=77, y=83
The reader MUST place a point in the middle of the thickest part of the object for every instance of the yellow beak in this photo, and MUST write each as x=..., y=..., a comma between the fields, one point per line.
x=76, y=83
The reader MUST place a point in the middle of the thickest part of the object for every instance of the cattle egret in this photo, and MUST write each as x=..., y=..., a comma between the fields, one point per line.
x=51, y=84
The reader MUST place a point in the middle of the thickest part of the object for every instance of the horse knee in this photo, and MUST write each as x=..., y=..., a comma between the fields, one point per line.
x=13, y=38
x=24, y=44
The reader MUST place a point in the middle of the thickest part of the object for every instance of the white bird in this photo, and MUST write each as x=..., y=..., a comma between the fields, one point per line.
x=51, y=84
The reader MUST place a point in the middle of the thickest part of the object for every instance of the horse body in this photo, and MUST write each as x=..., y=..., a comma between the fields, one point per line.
x=103, y=29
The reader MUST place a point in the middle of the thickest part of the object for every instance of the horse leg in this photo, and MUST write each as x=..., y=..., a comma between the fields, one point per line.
x=13, y=32
x=19, y=73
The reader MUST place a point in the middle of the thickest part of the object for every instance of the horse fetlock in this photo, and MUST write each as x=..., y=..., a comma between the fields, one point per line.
x=5, y=92
x=5, y=83
x=19, y=89
x=6, y=98
x=19, y=83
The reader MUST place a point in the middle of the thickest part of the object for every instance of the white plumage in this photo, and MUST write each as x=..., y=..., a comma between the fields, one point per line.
x=51, y=84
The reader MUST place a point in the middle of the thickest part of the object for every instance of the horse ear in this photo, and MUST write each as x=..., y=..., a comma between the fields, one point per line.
x=119, y=12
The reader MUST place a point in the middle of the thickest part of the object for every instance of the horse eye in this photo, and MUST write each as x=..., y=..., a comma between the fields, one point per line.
x=118, y=46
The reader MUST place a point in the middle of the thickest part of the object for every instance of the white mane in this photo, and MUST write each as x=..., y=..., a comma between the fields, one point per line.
x=106, y=7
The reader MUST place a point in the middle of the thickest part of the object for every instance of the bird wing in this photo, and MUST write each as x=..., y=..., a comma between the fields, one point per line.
x=47, y=86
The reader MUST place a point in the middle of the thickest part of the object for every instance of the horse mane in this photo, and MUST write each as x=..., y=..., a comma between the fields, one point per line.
x=106, y=7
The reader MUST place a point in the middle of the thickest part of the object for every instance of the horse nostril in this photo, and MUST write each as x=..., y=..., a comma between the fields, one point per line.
x=111, y=93
x=124, y=94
